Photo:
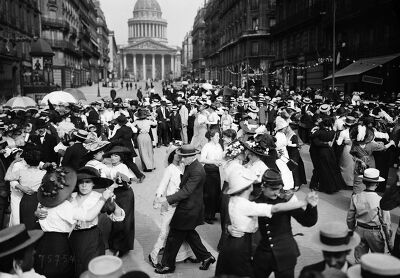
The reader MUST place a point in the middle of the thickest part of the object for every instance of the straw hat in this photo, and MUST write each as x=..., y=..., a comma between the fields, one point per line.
x=280, y=123
x=104, y=266
x=240, y=179
x=371, y=175
x=187, y=150
x=335, y=237
x=16, y=238
x=80, y=134
x=376, y=265
x=325, y=108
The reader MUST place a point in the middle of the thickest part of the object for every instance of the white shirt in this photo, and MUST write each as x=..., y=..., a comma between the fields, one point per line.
x=244, y=213
x=258, y=168
x=120, y=168
x=212, y=151
x=213, y=118
x=27, y=274
x=61, y=218
x=170, y=181
x=184, y=115
x=103, y=169
x=344, y=136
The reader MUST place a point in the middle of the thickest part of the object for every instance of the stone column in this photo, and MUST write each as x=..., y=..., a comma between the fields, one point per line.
x=134, y=66
x=141, y=30
x=162, y=66
x=153, y=66
x=172, y=65
x=124, y=66
x=144, y=66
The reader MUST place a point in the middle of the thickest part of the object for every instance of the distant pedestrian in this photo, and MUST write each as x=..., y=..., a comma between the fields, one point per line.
x=122, y=84
x=135, y=86
x=127, y=86
x=139, y=94
x=130, y=85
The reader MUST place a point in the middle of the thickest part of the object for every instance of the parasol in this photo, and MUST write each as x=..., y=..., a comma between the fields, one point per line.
x=58, y=97
x=21, y=103
x=76, y=93
x=207, y=86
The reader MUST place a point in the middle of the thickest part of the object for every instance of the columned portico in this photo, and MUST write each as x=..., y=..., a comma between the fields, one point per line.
x=153, y=65
x=144, y=66
x=162, y=67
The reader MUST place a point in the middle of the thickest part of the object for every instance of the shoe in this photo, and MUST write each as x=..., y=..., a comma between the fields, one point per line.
x=207, y=262
x=164, y=269
x=192, y=260
x=141, y=179
x=152, y=263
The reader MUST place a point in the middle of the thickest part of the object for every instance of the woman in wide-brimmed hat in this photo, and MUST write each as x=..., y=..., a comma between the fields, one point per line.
x=86, y=239
x=346, y=161
x=94, y=157
x=144, y=124
x=236, y=253
x=57, y=218
x=169, y=185
x=362, y=151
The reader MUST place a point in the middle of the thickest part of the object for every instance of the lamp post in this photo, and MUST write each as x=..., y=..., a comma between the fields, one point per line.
x=333, y=45
x=98, y=83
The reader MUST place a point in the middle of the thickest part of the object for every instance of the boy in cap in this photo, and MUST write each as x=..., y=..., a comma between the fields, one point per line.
x=364, y=213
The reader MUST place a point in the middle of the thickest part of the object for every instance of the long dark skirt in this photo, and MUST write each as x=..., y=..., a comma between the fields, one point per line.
x=27, y=208
x=122, y=235
x=224, y=213
x=86, y=245
x=331, y=179
x=235, y=257
x=53, y=257
x=298, y=172
x=212, y=191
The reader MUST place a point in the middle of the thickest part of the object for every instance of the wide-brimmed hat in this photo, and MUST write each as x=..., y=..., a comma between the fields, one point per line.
x=16, y=238
x=174, y=108
x=80, y=134
x=350, y=121
x=141, y=113
x=272, y=178
x=57, y=185
x=371, y=175
x=40, y=123
x=335, y=237
x=117, y=150
x=260, y=144
x=253, y=108
x=187, y=150
x=121, y=119
x=280, y=123
x=240, y=179
x=307, y=100
x=361, y=134
x=96, y=146
x=325, y=108
x=104, y=266
x=375, y=265
x=93, y=174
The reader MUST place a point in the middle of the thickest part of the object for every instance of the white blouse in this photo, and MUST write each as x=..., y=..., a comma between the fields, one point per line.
x=120, y=168
x=89, y=202
x=170, y=181
x=103, y=169
x=212, y=151
x=258, y=168
x=61, y=218
x=344, y=136
x=244, y=213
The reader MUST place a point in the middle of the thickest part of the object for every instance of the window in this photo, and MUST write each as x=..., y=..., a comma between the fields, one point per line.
x=254, y=4
x=255, y=23
x=254, y=48
x=272, y=22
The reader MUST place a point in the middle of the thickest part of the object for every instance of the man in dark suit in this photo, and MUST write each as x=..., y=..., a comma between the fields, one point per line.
x=336, y=241
x=74, y=155
x=163, y=118
x=45, y=142
x=94, y=116
x=188, y=215
x=277, y=250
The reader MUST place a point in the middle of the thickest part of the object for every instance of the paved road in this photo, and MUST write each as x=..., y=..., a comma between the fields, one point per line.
x=331, y=208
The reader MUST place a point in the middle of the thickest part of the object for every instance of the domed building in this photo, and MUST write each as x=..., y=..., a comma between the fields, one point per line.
x=148, y=55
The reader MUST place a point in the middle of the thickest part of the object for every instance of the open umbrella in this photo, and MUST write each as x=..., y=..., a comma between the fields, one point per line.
x=21, y=103
x=185, y=83
x=76, y=93
x=58, y=97
x=207, y=86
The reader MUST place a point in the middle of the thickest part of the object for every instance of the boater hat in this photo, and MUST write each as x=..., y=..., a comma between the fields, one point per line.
x=93, y=174
x=16, y=238
x=240, y=179
x=335, y=237
x=371, y=175
x=187, y=150
x=96, y=147
x=376, y=265
x=80, y=134
x=104, y=266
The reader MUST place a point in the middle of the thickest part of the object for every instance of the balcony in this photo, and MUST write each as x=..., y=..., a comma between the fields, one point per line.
x=61, y=24
x=63, y=45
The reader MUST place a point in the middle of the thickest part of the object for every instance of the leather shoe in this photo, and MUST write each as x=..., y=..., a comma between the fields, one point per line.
x=152, y=263
x=164, y=269
x=192, y=260
x=207, y=262
x=142, y=178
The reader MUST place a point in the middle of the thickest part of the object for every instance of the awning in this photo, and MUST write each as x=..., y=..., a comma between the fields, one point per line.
x=363, y=65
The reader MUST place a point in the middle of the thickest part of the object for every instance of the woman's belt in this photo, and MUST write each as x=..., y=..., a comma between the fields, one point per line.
x=85, y=229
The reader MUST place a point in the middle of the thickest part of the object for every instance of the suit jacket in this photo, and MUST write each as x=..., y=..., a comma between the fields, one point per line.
x=74, y=155
x=276, y=232
x=93, y=117
x=319, y=267
x=123, y=136
x=160, y=117
x=189, y=212
x=47, y=153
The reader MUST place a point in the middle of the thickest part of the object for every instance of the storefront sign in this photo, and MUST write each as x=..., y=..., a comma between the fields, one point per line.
x=372, y=80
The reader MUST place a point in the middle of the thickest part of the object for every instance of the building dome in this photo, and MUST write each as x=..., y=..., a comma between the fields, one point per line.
x=147, y=5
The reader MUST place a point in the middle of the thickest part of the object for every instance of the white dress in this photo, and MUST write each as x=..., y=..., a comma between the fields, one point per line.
x=287, y=177
x=169, y=185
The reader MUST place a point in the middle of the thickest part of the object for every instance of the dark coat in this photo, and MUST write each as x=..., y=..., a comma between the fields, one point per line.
x=123, y=136
x=47, y=153
x=319, y=267
x=189, y=212
x=160, y=118
x=277, y=236
x=74, y=156
x=93, y=117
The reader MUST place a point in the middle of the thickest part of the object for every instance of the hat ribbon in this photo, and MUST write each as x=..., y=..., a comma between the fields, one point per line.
x=367, y=274
x=15, y=241
x=336, y=241
x=368, y=178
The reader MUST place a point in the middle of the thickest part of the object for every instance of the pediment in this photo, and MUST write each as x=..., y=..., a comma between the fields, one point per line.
x=149, y=45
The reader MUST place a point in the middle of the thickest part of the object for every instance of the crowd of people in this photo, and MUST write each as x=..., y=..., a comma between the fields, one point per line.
x=68, y=174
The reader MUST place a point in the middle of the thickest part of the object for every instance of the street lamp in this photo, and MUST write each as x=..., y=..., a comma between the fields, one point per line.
x=98, y=84
x=333, y=45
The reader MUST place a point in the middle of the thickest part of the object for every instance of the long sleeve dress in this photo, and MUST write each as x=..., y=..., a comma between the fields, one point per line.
x=145, y=145
x=281, y=162
x=346, y=161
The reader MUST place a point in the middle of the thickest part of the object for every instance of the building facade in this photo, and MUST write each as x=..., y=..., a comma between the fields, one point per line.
x=103, y=43
x=114, y=64
x=147, y=55
x=187, y=56
x=232, y=42
x=303, y=37
x=19, y=25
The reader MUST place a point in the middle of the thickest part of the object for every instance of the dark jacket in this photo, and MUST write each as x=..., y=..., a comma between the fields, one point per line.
x=277, y=235
x=189, y=212
x=74, y=156
x=160, y=118
x=93, y=117
x=123, y=136
x=47, y=153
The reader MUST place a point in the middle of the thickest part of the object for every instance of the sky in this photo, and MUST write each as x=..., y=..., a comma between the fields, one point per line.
x=179, y=14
